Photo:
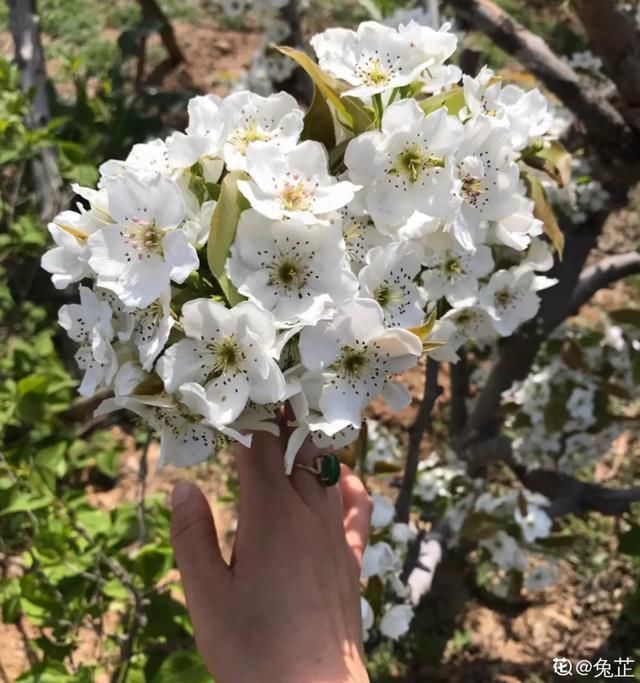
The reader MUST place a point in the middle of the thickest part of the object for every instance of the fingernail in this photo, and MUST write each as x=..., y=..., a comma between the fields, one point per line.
x=180, y=493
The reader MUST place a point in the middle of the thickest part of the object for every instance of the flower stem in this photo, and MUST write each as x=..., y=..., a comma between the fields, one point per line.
x=378, y=108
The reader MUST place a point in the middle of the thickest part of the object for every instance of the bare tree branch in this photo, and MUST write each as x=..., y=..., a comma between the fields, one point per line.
x=604, y=123
x=459, y=381
x=569, y=495
x=602, y=274
x=417, y=430
x=617, y=40
x=142, y=489
x=152, y=10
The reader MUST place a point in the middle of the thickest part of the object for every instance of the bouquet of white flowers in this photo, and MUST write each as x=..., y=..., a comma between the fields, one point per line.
x=269, y=256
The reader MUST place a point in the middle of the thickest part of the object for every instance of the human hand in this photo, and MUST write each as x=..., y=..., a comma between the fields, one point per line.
x=287, y=608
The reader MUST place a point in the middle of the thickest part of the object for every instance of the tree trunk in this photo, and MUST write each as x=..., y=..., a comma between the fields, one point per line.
x=29, y=57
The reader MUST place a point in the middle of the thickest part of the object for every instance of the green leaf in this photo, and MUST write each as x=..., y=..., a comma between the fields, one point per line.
x=182, y=666
x=626, y=316
x=224, y=222
x=33, y=384
x=152, y=563
x=324, y=83
x=350, y=111
x=361, y=118
x=116, y=590
x=453, y=100
x=96, y=522
x=47, y=672
x=11, y=611
x=542, y=211
x=26, y=502
x=552, y=158
x=423, y=331
x=318, y=122
x=108, y=461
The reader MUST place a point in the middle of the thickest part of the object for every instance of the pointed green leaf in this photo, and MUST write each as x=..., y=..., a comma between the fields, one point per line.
x=431, y=345
x=325, y=84
x=231, y=203
x=350, y=111
x=361, y=117
x=318, y=122
x=423, y=331
x=453, y=100
x=542, y=211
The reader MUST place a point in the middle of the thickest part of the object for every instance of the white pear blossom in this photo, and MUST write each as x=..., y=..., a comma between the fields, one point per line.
x=226, y=359
x=395, y=621
x=353, y=354
x=359, y=232
x=505, y=551
x=146, y=158
x=439, y=79
x=383, y=511
x=517, y=229
x=434, y=47
x=372, y=60
x=197, y=222
x=458, y=326
x=145, y=249
x=379, y=559
x=69, y=261
x=402, y=167
x=89, y=324
x=203, y=138
x=402, y=533
x=541, y=577
x=510, y=298
x=251, y=118
x=538, y=256
x=526, y=114
x=184, y=439
x=148, y=329
x=389, y=277
x=487, y=178
x=581, y=405
x=452, y=271
x=293, y=183
x=367, y=616
x=536, y=523
x=298, y=272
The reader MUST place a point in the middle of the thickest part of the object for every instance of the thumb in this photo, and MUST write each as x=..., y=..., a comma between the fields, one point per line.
x=195, y=543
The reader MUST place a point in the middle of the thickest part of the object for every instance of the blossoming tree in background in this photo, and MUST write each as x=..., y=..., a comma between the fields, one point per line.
x=269, y=255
